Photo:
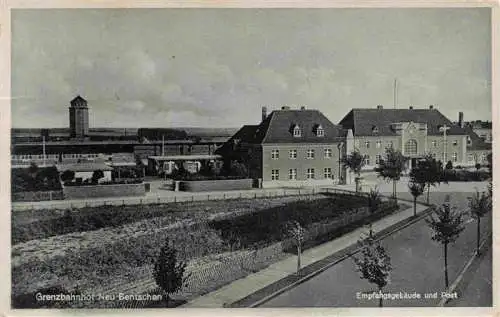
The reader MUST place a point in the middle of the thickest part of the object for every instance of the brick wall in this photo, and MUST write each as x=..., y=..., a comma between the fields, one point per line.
x=215, y=185
x=76, y=192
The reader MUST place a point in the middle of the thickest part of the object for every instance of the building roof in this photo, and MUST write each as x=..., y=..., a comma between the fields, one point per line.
x=478, y=124
x=193, y=157
x=477, y=143
x=278, y=126
x=84, y=167
x=77, y=99
x=363, y=121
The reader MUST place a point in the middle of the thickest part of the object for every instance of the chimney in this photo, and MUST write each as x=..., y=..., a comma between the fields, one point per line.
x=461, y=119
x=411, y=107
x=431, y=107
x=264, y=113
x=380, y=107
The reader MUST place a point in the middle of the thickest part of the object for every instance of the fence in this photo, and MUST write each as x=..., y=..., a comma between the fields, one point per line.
x=38, y=196
x=195, y=197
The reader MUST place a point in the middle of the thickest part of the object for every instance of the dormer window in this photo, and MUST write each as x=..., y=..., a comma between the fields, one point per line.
x=319, y=131
x=296, y=131
x=374, y=129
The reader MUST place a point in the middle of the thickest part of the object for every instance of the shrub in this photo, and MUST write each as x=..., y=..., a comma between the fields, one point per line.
x=465, y=176
x=267, y=225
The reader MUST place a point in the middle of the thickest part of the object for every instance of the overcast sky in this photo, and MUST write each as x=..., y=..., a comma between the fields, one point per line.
x=217, y=68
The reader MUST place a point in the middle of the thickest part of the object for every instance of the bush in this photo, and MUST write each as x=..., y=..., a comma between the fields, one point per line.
x=465, y=176
x=266, y=226
x=35, y=178
x=88, y=182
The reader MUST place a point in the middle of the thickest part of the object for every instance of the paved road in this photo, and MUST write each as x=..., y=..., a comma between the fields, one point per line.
x=417, y=267
x=477, y=285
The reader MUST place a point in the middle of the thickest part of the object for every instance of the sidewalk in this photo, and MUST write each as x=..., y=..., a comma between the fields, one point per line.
x=246, y=286
x=162, y=196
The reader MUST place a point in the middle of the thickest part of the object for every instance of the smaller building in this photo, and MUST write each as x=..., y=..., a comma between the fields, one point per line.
x=290, y=148
x=84, y=171
x=483, y=129
x=160, y=165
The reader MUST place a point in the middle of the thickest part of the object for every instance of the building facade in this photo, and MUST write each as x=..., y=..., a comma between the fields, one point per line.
x=413, y=132
x=79, y=118
x=290, y=148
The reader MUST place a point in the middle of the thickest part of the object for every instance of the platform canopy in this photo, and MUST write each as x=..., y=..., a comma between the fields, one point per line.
x=200, y=157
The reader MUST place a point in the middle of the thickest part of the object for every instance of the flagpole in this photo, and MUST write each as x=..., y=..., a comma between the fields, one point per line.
x=43, y=149
x=395, y=92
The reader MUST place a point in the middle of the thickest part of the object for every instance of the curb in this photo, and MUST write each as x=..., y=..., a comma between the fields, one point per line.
x=460, y=276
x=397, y=227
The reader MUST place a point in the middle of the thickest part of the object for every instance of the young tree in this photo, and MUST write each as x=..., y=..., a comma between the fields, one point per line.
x=374, y=201
x=479, y=206
x=354, y=162
x=139, y=166
x=297, y=232
x=416, y=190
x=428, y=172
x=449, y=165
x=477, y=166
x=67, y=176
x=374, y=264
x=33, y=169
x=391, y=168
x=447, y=223
x=169, y=273
x=97, y=175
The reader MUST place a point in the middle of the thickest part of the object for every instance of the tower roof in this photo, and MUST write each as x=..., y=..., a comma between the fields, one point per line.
x=78, y=100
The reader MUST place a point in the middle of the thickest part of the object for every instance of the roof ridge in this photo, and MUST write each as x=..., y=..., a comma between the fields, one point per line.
x=268, y=127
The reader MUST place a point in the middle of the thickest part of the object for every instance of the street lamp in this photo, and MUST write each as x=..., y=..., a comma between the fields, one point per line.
x=340, y=146
x=443, y=129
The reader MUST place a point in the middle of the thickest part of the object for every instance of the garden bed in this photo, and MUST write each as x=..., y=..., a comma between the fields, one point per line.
x=91, y=260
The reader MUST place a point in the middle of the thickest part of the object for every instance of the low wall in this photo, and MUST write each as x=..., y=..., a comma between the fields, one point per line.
x=38, y=196
x=215, y=185
x=87, y=191
x=299, y=184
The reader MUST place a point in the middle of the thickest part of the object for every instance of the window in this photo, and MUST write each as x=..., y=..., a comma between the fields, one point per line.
x=378, y=157
x=378, y=145
x=469, y=141
x=356, y=143
x=296, y=131
x=470, y=158
x=328, y=153
x=483, y=157
x=310, y=173
x=319, y=131
x=292, y=154
x=374, y=130
x=292, y=174
x=275, y=175
x=310, y=154
x=275, y=154
x=367, y=144
x=390, y=144
x=455, y=143
x=455, y=157
x=328, y=172
x=367, y=160
x=411, y=147
x=434, y=143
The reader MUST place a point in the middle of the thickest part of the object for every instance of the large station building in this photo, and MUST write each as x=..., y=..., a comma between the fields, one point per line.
x=295, y=147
